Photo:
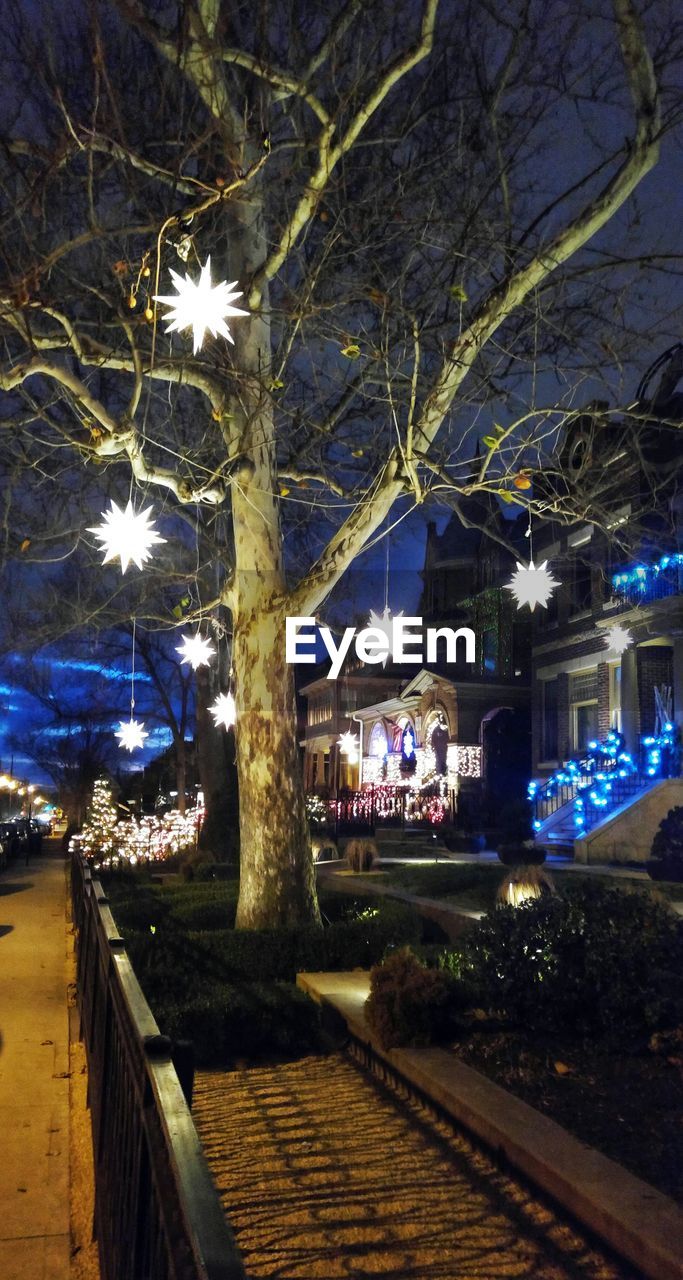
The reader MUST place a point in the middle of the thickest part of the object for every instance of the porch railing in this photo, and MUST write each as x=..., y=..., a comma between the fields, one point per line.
x=157, y=1212
x=361, y=812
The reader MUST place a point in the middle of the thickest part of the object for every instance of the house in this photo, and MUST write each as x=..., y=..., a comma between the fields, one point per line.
x=438, y=739
x=607, y=655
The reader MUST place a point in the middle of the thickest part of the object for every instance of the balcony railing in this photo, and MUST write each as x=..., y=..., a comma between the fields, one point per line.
x=646, y=583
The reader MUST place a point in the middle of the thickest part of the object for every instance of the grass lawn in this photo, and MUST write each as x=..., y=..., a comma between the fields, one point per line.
x=474, y=885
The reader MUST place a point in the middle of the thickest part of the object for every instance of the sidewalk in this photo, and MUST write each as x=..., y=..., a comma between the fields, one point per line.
x=34, y=1066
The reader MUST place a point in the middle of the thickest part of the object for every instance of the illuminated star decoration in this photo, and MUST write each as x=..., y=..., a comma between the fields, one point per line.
x=196, y=650
x=382, y=622
x=348, y=745
x=532, y=584
x=201, y=305
x=223, y=711
x=131, y=734
x=618, y=639
x=127, y=534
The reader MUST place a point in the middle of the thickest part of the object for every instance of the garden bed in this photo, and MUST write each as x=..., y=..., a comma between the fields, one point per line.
x=232, y=993
x=629, y=1105
x=573, y=1003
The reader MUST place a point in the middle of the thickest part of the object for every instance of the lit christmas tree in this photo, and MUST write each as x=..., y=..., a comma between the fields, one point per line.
x=97, y=837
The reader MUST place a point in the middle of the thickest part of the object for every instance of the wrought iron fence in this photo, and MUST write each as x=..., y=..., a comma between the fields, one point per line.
x=361, y=812
x=157, y=1212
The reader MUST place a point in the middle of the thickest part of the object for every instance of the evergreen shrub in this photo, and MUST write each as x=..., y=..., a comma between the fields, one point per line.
x=413, y=1004
x=598, y=961
x=667, y=848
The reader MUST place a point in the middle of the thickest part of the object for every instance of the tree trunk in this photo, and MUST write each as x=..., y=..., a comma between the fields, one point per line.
x=277, y=878
x=217, y=773
x=181, y=772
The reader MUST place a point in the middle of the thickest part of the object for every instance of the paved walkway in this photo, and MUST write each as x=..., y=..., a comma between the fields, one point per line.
x=34, y=1066
x=324, y=1174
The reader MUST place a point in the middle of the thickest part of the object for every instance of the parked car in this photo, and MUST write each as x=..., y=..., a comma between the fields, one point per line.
x=15, y=836
x=22, y=835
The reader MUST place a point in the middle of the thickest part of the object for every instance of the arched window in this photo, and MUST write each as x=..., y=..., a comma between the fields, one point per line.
x=436, y=738
x=377, y=745
x=408, y=757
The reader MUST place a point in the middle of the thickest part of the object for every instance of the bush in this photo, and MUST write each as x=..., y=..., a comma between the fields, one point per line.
x=216, y=871
x=667, y=848
x=522, y=883
x=599, y=961
x=173, y=958
x=227, y=1023
x=215, y=912
x=142, y=909
x=193, y=864
x=521, y=853
x=412, y=1004
x=361, y=855
x=513, y=821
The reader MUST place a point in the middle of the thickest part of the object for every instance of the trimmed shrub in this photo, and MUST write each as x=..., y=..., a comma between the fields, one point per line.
x=411, y=1004
x=522, y=883
x=667, y=848
x=227, y=1023
x=519, y=853
x=598, y=961
x=215, y=912
x=216, y=871
x=361, y=855
x=175, y=959
x=141, y=909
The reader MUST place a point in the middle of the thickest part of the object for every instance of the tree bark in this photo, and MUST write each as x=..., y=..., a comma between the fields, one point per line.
x=217, y=773
x=277, y=878
x=180, y=772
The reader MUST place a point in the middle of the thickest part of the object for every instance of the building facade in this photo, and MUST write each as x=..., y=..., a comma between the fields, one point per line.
x=440, y=737
x=587, y=678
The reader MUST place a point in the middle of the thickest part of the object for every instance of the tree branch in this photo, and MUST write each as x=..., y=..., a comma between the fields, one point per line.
x=280, y=79
x=641, y=155
x=329, y=153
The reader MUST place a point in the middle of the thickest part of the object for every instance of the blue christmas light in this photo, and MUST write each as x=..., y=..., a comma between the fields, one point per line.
x=642, y=576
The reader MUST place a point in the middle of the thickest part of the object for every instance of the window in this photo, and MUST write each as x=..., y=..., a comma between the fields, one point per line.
x=320, y=709
x=584, y=686
x=581, y=595
x=489, y=651
x=378, y=745
x=585, y=728
x=549, y=722
x=349, y=699
x=547, y=617
x=615, y=697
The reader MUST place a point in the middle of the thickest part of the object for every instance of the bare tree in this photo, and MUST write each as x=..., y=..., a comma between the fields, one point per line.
x=400, y=194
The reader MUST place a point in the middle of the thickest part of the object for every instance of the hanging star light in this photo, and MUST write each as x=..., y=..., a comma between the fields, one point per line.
x=618, y=639
x=127, y=534
x=383, y=622
x=201, y=305
x=348, y=744
x=196, y=650
x=532, y=584
x=224, y=711
x=131, y=734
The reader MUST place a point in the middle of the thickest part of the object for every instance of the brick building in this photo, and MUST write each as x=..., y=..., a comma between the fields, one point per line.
x=629, y=575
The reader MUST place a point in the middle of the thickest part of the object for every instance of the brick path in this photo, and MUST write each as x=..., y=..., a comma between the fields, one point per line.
x=324, y=1174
